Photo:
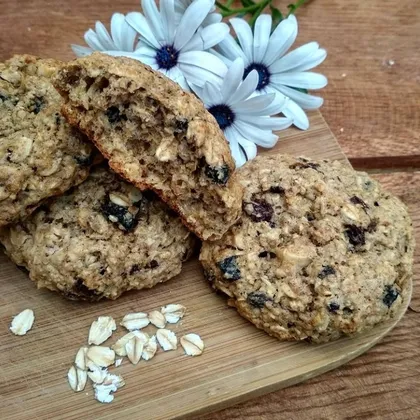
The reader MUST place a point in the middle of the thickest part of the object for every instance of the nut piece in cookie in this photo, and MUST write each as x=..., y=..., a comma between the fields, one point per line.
x=156, y=136
x=103, y=238
x=320, y=251
x=41, y=155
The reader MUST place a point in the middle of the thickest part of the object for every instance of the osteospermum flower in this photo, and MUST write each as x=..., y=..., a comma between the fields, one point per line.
x=281, y=73
x=246, y=121
x=121, y=41
x=181, y=6
x=175, y=48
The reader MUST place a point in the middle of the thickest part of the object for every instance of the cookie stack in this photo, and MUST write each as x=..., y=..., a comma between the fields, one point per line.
x=305, y=250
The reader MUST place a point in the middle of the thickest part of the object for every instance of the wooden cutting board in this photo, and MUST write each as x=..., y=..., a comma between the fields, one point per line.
x=239, y=360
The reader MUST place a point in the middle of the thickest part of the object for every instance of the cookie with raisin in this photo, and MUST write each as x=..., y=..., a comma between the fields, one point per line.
x=320, y=251
x=41, y=155
x=99, y=240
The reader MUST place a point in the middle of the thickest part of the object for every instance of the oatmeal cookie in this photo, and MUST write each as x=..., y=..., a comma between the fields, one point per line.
x=320, y=251
x=156, y=136
x=40, y=154
x=99, y=240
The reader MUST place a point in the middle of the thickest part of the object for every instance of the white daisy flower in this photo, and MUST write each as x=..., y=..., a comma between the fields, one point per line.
x=176, y=48
x=284, y=74
x=181, y=6
x=246, y=121
x=121, y=41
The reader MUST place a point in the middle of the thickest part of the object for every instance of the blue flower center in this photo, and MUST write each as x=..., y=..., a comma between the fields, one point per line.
x=167, y=57
x=263, y=74
x=225, y=117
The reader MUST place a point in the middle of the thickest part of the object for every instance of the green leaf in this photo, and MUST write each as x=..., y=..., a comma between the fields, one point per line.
x=299, y=89
x=277, y=16
x=247, y=3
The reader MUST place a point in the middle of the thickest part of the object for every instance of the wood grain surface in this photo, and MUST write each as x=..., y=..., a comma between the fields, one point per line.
x=372, y=105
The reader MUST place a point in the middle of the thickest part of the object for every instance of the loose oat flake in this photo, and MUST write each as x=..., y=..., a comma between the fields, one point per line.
x=22, y=322
x=193, y=344
x=96, y=374
x=103, y=392
x=157, y=319
x=77, y=379
x=134, y=347
x=119, y=346
x=101, y=356
x=80, y=360
x=118, y=362
x=101, y=330
x=135, y=321
x=149, y=349
x=167, y=339
x=173, y=312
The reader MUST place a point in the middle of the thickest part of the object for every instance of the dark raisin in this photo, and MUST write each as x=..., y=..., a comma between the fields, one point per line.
x=376, y=204
x=3, y=97
x=23, y=269
x=261, y=211
x=356, y=200
x=218, y=174
x=38, y=104
x=276, y=189
x=257, y=299
x=152, y=264
x=9, y=155
x=327, y=270
x=333, y=307
x=306, y=165
x=126, y=219
x=134, y=269
x=114, y=115
x=372, y=226
x=230, y=269
x=347, y=311
x=310, y=217
x=356, y=234
x=291, y=325
x=181, y=126
x=81, y=291
x=390, y=295
x=265, y=254
x=102, y=271
x=84, y=160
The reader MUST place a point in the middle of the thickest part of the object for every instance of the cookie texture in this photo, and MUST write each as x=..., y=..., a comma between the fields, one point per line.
x=156, y=136
x=99, y=240
x=40, y=154
x=320, y=251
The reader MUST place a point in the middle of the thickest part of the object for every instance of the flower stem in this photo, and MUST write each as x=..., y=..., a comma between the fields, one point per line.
x=295, y=6
x=257, y=7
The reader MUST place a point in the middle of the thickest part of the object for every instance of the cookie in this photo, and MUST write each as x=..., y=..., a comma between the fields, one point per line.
x=101, y=239
x=156, y=136
x=320, y=251
x=40, y=154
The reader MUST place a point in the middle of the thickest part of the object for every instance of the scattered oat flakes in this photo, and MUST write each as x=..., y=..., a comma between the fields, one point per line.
x=193, y=344
x=134, y=347
x=135, y=321
x=149, y=349
x=80, y=360
x=101, y=330
x=101, y=356
x=157, y=319
x=118, y=362
x=96, y=374
x=77, y=379
x=167, y=339
x=173, y=313
x=22, y=322
x=119, y=346
x=116, y=380
x=103, y=392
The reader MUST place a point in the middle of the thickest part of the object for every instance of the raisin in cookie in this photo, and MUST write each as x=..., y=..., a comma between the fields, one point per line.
x=40, y=154
x=156, y=136
x=320, y=250
x=101, y=239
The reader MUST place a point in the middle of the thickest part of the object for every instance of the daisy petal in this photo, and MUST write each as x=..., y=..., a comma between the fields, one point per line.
x=146, y=50
x=232, y=136
x=293, y=59
x=303, y=80
x=213, y=93
x=212, y=18
x=207, y=37
x=167, y=12
x=176, y=75
x=302, y=99
x=269, y=123
x=191, y=21
x=312, y=61
x=264, y=138
x=104, y=37
x=281, y=40
x=154, y=19
x=122, y=33
x=262, y=33
x=139, y=23
x=81, y=51
x=244, y=33
x=222, y=57
x=297, y=114
x=231, y=50
x=255, y=106
x=232, y=80
x=93, y=41
x=245, y=90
